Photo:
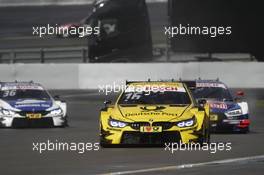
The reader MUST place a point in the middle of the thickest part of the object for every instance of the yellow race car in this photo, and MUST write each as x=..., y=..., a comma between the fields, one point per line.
x=154, y=112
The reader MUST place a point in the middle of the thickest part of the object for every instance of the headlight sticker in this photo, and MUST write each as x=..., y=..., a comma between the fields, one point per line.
x=235, y=112
x=186, y=123
x=117, y=124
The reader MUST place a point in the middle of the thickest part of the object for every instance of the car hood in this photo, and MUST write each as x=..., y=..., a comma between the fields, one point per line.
x=221, y=107
x=152, y=112
x=29, y=104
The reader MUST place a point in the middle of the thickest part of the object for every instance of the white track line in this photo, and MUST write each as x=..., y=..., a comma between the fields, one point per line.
x=184, y=166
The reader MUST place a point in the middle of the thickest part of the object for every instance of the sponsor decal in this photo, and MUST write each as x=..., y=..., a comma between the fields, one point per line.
x=150, y=113
x=21, y=87
x=32, y=105
x=220, y=85
x=218, y=105
x=213, y=117
x=150, y=129
x=34, y=116
x=153, y=88
x=234, y=122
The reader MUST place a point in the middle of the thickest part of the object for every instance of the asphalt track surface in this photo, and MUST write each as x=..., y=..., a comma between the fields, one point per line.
x=17, y=22
x=17, y=155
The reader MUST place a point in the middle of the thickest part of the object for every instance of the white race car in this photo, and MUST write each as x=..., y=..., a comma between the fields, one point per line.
x=28, y=104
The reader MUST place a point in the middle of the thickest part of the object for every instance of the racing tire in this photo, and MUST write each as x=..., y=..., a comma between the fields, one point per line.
x=205, y=135
x=65, y=124
x=104, y=144
x=245, y=131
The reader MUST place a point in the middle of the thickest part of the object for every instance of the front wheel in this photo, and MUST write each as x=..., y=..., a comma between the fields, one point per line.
x=244, y=130
x=205, y=135
x=104, y=143
x=65, y=123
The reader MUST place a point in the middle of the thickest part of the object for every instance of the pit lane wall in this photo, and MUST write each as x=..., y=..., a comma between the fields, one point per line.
x=10, y=3
x=92, y=76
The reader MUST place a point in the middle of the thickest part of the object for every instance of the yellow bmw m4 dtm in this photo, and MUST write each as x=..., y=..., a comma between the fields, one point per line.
x=154, y=112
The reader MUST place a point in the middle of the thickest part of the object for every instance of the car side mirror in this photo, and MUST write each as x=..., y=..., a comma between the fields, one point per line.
x=107, y=103
x=201, y=102
x=240, y=94
x=56, y=97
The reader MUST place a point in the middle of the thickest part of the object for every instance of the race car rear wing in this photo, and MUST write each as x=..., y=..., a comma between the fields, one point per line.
x=192, y=83
x=149, y=80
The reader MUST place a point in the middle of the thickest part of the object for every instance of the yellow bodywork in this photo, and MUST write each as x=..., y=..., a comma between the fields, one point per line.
x=152, y=114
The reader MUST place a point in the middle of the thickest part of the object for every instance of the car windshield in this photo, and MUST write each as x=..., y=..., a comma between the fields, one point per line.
x=165, y=97
x=17, y=94
x=218, y=93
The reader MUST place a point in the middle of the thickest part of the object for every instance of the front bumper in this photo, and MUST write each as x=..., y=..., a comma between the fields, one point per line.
x=129, y=136
x=235, y=124
x=150, y=138
x=7, y=122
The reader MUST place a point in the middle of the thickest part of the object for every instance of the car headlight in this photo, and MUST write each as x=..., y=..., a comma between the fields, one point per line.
x=233, y=113
x=7, y=112
x=56, y=112
x=117, y=124
x=186, y=123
